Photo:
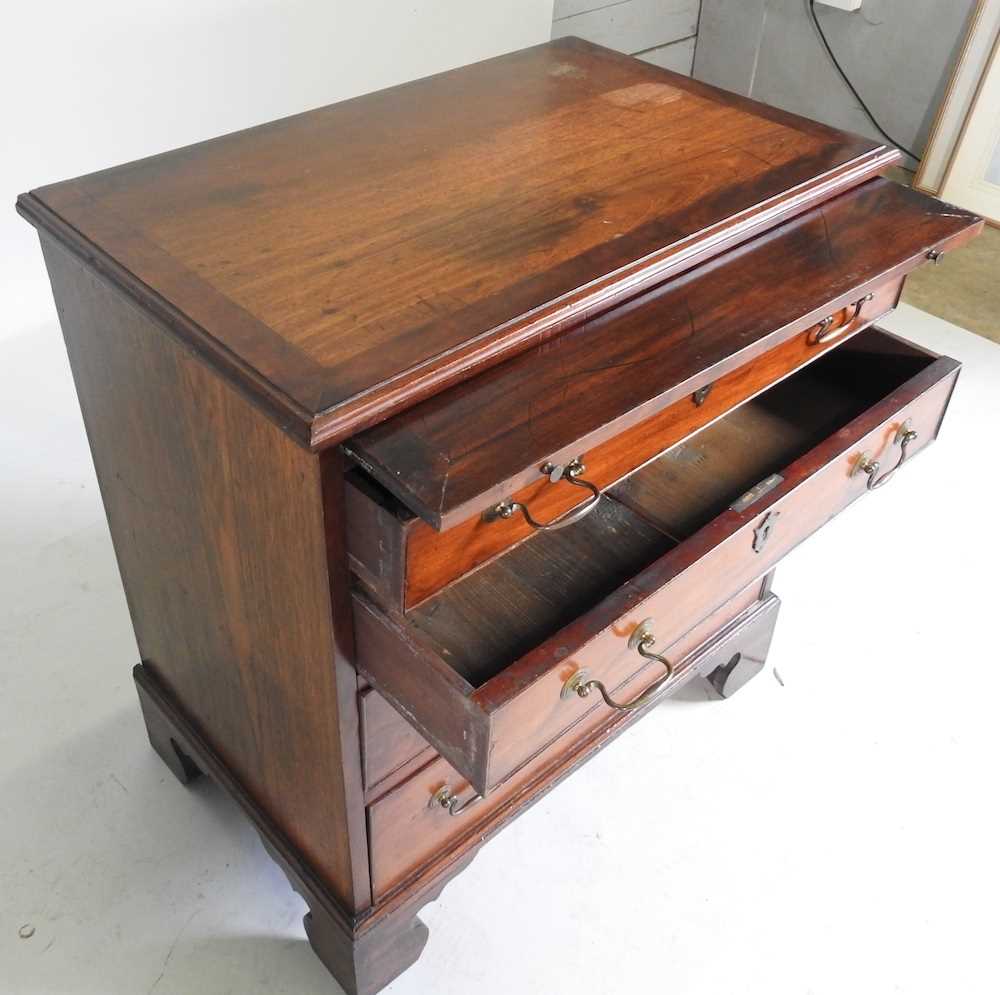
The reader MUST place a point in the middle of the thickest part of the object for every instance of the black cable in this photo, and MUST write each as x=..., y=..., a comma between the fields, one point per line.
x=850, y=86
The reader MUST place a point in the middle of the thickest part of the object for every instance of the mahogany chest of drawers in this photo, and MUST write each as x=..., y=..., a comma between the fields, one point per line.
x=445, y=430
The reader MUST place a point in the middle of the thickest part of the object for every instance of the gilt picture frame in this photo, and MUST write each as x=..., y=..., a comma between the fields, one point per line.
x=973, y=177
x=984, y=28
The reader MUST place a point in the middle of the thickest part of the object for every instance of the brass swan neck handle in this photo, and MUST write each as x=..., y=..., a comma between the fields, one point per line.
x=572, y=474
x=641, y=640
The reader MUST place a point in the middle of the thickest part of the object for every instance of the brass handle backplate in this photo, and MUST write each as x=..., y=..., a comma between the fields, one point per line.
x=641, y=640
x=905, y=434
x=571, y=473
x=826, y=330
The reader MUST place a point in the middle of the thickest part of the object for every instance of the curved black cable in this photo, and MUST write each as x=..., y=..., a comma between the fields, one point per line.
x=850, y=86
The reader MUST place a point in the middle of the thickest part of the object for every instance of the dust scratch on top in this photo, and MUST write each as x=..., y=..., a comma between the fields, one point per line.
x=643, y=93
x=568, y=69
x=828, y=238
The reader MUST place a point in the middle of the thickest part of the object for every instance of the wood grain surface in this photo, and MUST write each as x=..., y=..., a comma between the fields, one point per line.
x=218, y=524
x=487, y=620
x=404, y=560
x=459, y=452
x=341, y=263
x=487, y=731
x=389, y=744
x=406, y=831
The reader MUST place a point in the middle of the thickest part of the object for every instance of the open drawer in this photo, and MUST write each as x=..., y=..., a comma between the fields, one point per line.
x=458, y=479
x=433, y=808
x=486, y=669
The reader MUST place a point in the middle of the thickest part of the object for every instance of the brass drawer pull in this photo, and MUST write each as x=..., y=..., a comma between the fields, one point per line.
x=825, y=332
x=641, y=640
x=571, y=474
x=865, y=464
x=446, y=800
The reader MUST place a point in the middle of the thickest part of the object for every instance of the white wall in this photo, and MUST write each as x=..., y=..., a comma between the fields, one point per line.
x=659, y=31
x=86, y=85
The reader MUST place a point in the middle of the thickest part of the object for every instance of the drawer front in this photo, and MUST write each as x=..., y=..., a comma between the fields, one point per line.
x=408, y=827
x=530, y=720
x=458, y=453
x=404, y=560
x=724, y=556
x=390, y=747
x=434, y=559
x=488, y=730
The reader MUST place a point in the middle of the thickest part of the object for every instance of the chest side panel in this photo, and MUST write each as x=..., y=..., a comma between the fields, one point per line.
x=218, y=524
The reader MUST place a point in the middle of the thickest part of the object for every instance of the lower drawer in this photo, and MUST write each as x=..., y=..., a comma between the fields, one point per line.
x=409, y=825
x=391, y=748
x=479, y=669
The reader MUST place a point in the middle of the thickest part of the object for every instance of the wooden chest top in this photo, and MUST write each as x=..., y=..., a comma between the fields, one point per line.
x=342, y=264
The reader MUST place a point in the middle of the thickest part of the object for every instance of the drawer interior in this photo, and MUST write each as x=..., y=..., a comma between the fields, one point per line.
x=689, y=485
x=482, y=623
x=493, y=616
